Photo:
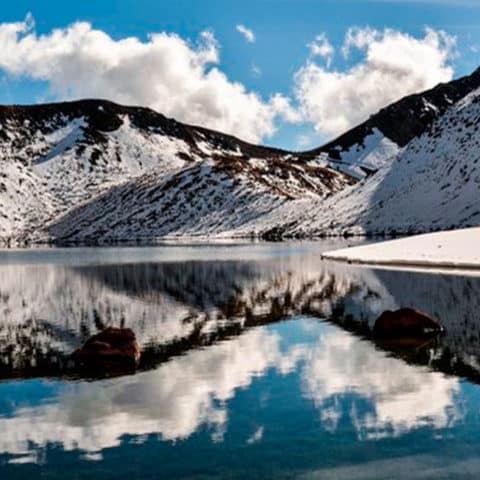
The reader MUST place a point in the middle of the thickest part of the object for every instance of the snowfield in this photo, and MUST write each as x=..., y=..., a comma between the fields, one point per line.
x=93, y=170
x=453, y=249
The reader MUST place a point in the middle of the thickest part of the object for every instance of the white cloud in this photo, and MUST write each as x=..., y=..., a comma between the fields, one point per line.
x=304, y=140
x=321, y=47
x=359, y=38
x=167, y=73
x=394, y=64
x=281, y=105
x=246, y=32
x=183, y=80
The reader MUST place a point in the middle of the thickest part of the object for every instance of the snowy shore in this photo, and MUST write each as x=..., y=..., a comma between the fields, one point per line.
x=451, y=249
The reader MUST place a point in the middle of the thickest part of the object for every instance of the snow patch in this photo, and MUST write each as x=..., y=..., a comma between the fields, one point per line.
x=63, y=139
x=374, y=154
x=456, y=249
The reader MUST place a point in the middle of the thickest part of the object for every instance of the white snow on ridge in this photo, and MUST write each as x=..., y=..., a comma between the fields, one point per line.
x=139, y=181
x=62, y=139
x=140, y=152
x=457, y=249
x=63, y=162
x=373, y=155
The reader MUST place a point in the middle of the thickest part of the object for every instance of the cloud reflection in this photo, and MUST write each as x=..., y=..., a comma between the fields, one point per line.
x=402, y=397
x=192, y=392
x=172, y=401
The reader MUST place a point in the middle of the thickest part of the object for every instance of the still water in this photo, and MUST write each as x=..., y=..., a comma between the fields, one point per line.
x=257, y=363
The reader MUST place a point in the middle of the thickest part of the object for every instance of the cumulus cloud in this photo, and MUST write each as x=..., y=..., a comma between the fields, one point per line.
x=246, y=32
x=304, y=140
x=321, y=47
x=358, y=38
x=183, y=79
x=176, y=77
x=393, y=64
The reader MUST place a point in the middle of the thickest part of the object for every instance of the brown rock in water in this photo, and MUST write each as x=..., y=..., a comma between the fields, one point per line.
x=406, y=322
x=111, y=347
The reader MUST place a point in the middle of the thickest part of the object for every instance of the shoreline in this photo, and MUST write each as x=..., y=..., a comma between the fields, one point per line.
x=432, y=267
x=13, y=243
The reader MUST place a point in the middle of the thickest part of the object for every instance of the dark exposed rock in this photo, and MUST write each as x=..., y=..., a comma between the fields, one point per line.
x=111, y=347
x=406, y=322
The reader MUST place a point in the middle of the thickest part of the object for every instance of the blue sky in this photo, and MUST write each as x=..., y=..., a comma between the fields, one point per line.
x=270, y=65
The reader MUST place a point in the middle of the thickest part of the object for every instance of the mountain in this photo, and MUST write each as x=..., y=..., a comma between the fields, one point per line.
x=60, y=159
x=95, y=171
x=365, y=148
x=432, y=184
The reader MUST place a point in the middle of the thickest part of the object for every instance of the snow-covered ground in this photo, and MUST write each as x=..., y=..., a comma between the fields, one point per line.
x=371, y=156
x=455, y=249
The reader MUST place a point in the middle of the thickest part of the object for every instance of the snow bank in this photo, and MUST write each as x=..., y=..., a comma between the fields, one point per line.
x=456, y=249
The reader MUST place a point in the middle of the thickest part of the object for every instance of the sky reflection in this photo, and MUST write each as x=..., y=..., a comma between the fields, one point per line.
x=244, y=360
x=344, y=377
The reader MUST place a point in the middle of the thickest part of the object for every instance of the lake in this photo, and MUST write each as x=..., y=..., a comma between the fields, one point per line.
x=257, y=362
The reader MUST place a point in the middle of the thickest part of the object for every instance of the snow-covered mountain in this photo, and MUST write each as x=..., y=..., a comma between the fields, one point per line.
x=432, y=184
x=364, y=149
x=59, y=159
x=93, y=171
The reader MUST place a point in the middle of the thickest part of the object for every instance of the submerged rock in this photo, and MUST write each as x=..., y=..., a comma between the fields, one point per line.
x=111, y=347
x=406, y=322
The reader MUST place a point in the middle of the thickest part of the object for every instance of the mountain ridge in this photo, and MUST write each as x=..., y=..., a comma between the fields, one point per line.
x=402, y=130
x=68, y=167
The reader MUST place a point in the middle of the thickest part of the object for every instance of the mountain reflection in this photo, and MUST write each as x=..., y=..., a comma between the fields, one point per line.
x=46, y=311
x=210, y=329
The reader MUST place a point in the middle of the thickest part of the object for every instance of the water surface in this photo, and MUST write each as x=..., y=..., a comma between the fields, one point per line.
x=258, y=362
